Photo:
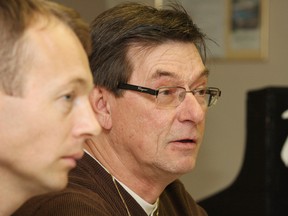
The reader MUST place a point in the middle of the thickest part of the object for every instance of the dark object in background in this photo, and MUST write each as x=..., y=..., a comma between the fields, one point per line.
x=261, y=189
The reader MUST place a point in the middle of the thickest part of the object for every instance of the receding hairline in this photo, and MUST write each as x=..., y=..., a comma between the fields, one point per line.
x=140, y=48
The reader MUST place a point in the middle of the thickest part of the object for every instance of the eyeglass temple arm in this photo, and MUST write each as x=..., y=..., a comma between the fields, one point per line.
x=214, y=92
x=137, y=88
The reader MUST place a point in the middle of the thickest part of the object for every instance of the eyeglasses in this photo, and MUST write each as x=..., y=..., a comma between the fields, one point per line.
x=173, y=96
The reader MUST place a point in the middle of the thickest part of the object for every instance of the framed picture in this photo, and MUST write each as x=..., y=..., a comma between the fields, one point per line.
x=238, y=29
x=248, y=29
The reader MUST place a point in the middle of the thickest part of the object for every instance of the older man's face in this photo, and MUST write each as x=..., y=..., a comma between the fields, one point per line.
x=153, y=139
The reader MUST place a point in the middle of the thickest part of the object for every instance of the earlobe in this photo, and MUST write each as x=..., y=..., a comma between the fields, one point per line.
x=101, y=107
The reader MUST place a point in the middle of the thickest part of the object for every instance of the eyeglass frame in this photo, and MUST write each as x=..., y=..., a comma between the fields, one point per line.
x=155, y=92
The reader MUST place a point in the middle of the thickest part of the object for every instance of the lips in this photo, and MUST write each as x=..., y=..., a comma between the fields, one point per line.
x=75, y=156
x=185, y=140
x=71, y=160
x=184, y=143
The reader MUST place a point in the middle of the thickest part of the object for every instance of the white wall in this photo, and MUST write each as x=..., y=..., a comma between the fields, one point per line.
x=221, y=155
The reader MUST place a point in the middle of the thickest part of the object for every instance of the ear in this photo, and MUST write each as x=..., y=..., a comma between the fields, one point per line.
x=101, y=107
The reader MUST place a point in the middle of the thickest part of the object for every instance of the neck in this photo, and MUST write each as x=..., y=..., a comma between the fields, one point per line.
x=148, y=187
x=9, y=204
x=12, y=195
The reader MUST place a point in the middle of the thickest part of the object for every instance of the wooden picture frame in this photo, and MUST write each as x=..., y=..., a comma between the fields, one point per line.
x=247, y=32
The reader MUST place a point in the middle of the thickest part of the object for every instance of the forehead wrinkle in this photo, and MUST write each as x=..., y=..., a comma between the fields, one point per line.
x=162, y=73
x=173, y=75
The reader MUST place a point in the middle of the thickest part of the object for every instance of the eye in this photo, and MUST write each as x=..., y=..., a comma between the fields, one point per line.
x=67, y=101
x=167, y=91
x=200, y=92
x=69, y=97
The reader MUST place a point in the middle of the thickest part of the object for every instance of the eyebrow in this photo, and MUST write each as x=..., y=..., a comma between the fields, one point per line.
x=76, y=82
x=205, y=72
x=82, y=83
x=161, y=73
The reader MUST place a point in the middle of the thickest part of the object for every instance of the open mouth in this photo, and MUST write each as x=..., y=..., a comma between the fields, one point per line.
x=184, y=144
x=186, y=141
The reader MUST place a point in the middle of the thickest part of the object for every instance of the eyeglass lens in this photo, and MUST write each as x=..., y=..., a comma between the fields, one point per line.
x=173, y=96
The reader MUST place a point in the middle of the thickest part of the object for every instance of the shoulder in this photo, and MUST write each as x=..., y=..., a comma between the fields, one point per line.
x=179, y=201
x=67, y=202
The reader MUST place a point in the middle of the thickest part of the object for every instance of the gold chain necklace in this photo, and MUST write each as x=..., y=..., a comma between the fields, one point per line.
x=123, y=200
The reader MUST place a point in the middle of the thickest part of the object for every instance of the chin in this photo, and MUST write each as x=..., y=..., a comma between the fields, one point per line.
x=181, y=167
x=187, y=166
x=55, y=184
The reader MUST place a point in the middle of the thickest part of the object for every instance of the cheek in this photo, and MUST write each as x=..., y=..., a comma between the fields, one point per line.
x=154, y=128
x=202, y=126
x=140, y=121
x=35, y=131
x=48, y=131
x=152, y=119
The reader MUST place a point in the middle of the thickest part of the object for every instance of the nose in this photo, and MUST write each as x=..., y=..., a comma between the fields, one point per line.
x=191, y=109
x=86, y=124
